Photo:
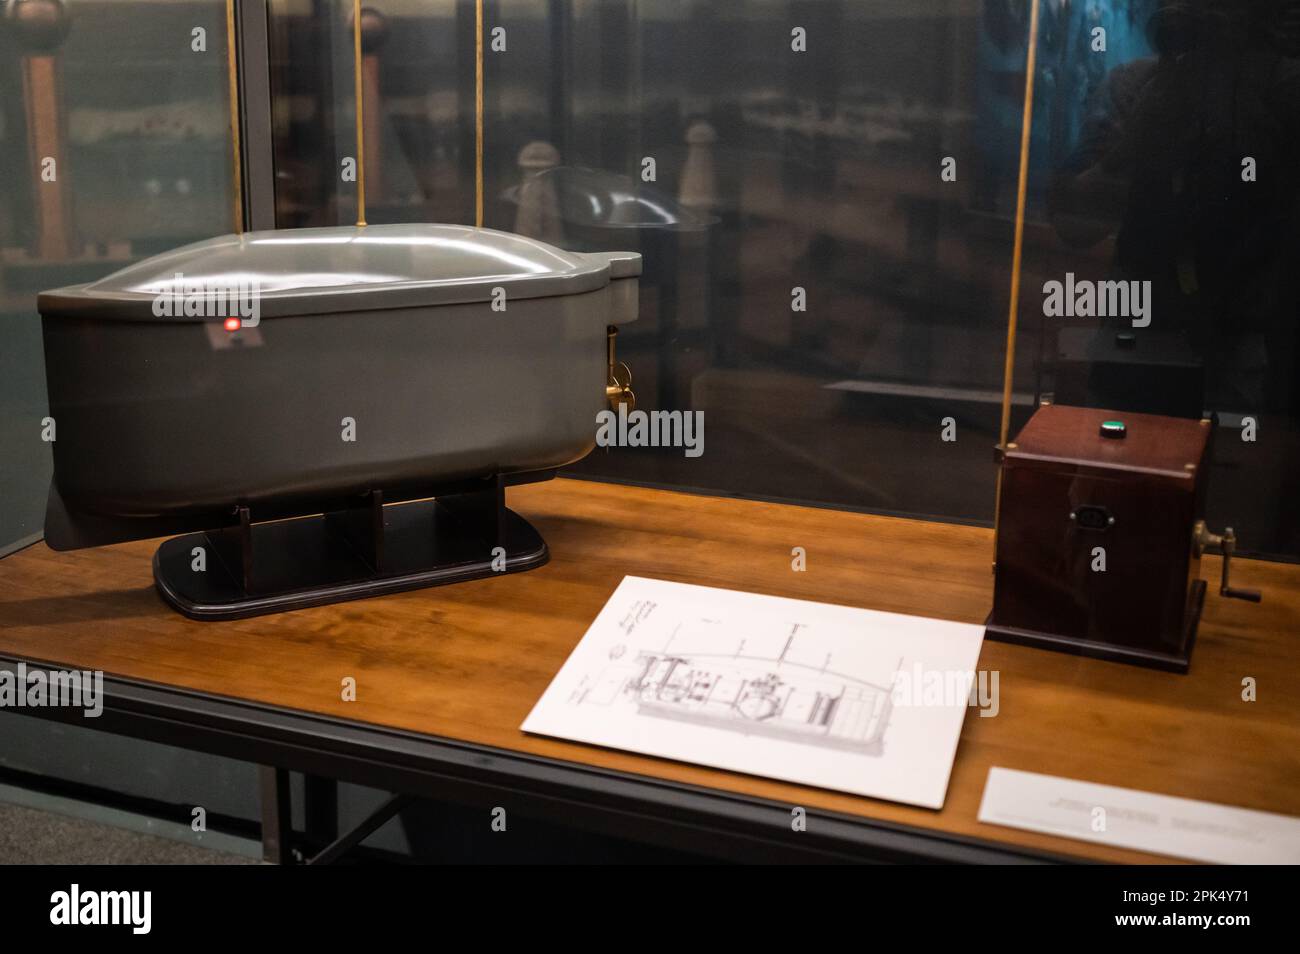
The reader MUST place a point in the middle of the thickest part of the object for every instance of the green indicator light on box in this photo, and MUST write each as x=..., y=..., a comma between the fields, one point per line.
x=1113, y=429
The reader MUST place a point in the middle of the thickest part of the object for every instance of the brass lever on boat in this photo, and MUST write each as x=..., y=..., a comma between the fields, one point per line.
x=1203, y=539
x=618, y=383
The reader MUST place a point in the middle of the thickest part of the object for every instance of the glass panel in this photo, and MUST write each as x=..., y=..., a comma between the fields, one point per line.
x=841, y=301
x=813, y=284
x=418, y=58
x=114, y=138
x=1161, y=236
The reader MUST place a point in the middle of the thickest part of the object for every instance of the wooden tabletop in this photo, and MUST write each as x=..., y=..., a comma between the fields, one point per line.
x=466, y=662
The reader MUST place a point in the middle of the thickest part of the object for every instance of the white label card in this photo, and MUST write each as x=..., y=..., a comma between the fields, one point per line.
x=1125, y=818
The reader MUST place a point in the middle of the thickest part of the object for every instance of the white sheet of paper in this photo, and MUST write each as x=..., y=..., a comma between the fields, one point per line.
x=855, y=700
x=1179, y=827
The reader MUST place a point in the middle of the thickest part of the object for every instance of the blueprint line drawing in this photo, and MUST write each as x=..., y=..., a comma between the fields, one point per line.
x=768, y=686
x=768, y=696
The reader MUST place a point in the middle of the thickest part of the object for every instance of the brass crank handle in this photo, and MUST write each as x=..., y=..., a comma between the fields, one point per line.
x=1227, y=545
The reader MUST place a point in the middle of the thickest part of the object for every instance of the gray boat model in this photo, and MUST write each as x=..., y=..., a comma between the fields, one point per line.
x=250, y=379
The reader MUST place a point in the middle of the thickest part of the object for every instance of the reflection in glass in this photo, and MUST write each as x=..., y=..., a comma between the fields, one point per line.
x=812, y=283
x=114, y=141
x=1165, y=177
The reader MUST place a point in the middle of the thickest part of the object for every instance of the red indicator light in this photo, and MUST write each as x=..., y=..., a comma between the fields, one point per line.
x=232, y=324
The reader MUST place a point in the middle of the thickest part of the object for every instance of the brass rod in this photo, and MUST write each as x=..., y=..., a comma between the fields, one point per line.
x=1022, y=189
x=55, y=239
x=361, y=145
x=478, y=113
x=233, y=71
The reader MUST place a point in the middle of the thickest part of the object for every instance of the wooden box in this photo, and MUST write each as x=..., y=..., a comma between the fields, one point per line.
x=1098, y=548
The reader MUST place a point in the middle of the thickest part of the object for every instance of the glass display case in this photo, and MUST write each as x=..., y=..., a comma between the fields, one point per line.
x=828, y=236
x=983, y=310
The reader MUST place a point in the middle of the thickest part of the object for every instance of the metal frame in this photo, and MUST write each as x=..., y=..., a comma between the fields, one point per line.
x=374, y=821
x=277, y=815
x=256, y=142
x=690, y=818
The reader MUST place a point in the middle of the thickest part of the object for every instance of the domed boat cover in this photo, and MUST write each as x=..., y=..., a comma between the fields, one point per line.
x=348, y=268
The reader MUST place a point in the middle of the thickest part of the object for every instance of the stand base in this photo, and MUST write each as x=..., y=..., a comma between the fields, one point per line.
x=1179, y=661
x=329, y=558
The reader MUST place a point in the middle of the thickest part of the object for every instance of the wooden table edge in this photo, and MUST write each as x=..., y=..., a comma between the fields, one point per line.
x=699, y=819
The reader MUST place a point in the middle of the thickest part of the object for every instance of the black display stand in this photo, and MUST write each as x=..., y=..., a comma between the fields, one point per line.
x=364, y=550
